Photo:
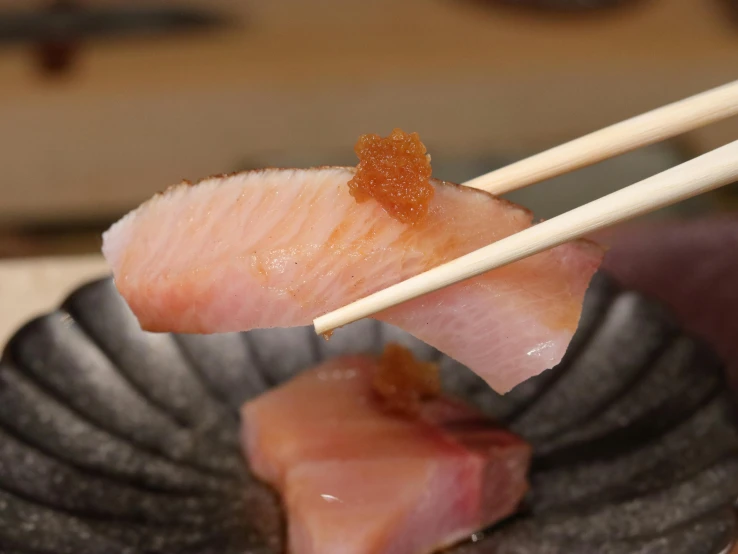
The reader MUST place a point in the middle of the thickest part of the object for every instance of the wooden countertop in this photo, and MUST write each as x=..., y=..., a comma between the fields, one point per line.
x=30, y=287
x=295, y=87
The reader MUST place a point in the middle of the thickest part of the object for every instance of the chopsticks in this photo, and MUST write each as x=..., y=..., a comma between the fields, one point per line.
x=648, y=128
x=707, y=172
x=702, y=174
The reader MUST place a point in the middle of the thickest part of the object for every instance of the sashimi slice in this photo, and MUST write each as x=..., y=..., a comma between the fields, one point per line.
x=358, y=479
x=277, y=248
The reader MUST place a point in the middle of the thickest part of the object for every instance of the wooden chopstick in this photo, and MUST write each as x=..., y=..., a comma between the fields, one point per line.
x=707, y=172
x=648, y=128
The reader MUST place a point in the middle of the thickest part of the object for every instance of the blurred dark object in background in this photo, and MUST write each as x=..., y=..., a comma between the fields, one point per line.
x=56, y=33
x=74, y=20
x=566, y=6
x=690, y=266
x=728, y=197
x=731, y=6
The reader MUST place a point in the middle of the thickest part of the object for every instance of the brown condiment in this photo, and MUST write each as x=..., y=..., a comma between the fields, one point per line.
x=396, y=172
x=402, y=382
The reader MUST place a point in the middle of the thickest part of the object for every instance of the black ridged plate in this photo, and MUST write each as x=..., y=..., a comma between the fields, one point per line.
x=113, y=440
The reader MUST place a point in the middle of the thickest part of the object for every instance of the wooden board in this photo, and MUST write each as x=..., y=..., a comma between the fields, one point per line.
x=294, y=85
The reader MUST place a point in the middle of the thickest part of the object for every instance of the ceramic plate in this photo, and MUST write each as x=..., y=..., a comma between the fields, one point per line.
x=117, y=441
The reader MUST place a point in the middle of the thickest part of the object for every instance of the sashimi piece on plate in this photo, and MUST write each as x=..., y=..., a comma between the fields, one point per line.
x=359, y=476
x=279, y=247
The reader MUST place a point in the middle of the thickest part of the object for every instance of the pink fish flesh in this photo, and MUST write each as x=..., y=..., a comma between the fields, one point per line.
x=357, y=479
x=277, y=248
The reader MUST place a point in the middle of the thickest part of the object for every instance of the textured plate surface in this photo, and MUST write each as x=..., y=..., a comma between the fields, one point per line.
x=117, y=441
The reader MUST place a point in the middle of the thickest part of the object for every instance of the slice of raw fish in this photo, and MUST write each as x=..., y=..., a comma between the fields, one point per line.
x=277, y=248
x=357, y=479
x=651, y=257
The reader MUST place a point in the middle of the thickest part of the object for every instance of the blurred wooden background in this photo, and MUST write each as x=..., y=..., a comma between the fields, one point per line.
x=290, y=82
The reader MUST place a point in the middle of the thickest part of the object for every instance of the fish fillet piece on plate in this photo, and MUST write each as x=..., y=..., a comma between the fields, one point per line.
x=357, y=478
x=277, y=248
